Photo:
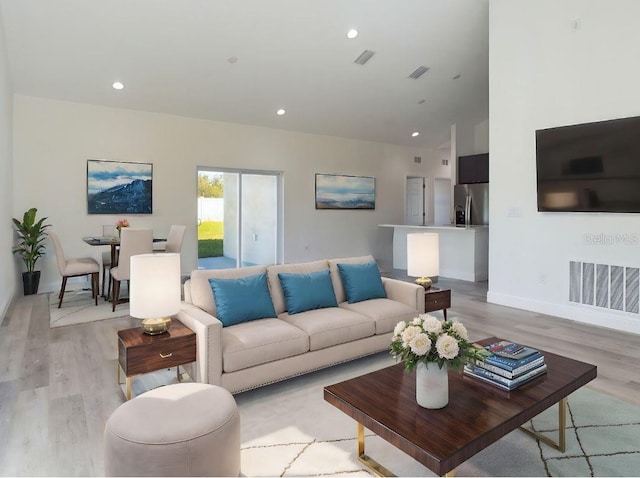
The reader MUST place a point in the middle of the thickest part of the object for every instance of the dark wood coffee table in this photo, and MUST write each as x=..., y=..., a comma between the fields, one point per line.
x=477, y=415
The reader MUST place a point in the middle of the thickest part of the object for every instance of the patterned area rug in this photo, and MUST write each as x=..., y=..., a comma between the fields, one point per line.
x=289, y=430
x=78, y=307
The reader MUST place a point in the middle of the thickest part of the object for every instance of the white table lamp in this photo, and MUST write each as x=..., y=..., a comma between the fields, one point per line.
x=423, y=257
x=154, y=290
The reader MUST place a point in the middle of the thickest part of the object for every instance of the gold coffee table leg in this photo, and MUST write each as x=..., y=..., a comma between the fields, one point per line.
x=372, y=464
x=366, y=460
x=561, y=444
x=128, y=380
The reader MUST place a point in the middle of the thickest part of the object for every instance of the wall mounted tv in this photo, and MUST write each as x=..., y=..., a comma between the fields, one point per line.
x=591, y=167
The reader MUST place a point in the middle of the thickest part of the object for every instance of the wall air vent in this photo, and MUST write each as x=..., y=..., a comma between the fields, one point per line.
x=364, y=57
x=604, y=285
x=418, y=72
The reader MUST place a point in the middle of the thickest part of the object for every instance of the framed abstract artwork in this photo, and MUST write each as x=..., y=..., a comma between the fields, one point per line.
x=115, y=187
x=335, y=191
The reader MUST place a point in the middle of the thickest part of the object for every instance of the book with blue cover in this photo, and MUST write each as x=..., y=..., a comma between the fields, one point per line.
x=512, y=373
x=508, y=349
x=511, y=364
x=502, y=382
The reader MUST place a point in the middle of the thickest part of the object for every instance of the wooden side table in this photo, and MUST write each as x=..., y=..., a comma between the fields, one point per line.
x=437, y=299
x=140, y=353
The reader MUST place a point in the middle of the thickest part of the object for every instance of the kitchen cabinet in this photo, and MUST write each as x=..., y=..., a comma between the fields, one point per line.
x=473, y=169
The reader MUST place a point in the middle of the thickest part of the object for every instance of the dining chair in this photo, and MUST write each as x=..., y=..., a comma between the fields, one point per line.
x=132, y=242
x=175, y=238
x=75, y=268
x=108, y=230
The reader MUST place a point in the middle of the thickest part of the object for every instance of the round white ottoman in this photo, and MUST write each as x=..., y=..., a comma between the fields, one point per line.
x=186, y=429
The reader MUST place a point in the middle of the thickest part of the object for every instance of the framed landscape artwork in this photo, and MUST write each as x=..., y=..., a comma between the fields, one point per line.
x=335, y=191
x=115, y=187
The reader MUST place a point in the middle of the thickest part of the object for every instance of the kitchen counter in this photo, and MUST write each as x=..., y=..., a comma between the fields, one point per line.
x=464, y=251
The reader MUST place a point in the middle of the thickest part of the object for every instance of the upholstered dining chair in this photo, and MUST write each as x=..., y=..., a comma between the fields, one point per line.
x=75, y=268
x=132, y=242
x=108, y=230
x=175, y=238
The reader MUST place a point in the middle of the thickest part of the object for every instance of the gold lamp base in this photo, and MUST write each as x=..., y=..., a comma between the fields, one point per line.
x=156, y=326
x=424, y=282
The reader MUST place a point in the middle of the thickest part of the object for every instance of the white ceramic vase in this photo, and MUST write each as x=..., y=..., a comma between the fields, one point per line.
x=432, y=385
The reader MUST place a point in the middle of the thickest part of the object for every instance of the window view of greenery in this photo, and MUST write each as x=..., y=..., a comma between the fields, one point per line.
x=210, y=231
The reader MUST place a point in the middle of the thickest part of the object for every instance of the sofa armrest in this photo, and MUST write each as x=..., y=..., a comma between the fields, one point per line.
x=186, y=288
x=208, y=329
x=405, y=292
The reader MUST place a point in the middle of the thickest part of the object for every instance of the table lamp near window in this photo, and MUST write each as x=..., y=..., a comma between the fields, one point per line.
x=154, y=292
x=423, y=257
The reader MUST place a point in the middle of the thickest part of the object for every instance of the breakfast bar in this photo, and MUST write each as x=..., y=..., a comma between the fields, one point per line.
x=464, y=251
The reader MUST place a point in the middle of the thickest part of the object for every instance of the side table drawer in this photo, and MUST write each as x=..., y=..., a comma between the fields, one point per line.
x=159, y=355
x=437, y=301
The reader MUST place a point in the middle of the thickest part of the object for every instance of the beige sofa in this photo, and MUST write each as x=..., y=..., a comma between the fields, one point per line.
x=251, y=354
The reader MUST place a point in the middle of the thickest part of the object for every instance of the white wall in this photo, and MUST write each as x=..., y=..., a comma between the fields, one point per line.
x=8, y=270
x=544, y=73
x=53, y=140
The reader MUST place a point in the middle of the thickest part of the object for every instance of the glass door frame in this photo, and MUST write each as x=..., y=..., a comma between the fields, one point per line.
x=279, y=252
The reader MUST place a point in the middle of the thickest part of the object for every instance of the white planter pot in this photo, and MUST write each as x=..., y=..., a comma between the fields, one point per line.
x=432, y=385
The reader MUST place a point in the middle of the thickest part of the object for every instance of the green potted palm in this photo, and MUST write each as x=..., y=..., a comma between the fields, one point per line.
x=30, y=247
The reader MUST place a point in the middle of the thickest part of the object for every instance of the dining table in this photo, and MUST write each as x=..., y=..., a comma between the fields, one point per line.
x=113, y=242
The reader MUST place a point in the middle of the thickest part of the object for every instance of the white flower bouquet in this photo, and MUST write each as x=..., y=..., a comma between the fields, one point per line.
x=427, y=339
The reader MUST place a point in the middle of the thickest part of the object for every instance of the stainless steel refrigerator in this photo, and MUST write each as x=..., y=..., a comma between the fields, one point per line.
x=471, y=204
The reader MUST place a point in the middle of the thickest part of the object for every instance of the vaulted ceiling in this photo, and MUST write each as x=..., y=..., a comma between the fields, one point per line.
x=240, y=61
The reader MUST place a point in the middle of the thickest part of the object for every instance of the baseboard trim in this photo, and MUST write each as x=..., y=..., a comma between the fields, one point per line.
x=7, y=306
x=586, y=314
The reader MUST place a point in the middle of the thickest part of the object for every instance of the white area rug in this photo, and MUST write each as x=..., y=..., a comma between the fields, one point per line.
x=79, y=307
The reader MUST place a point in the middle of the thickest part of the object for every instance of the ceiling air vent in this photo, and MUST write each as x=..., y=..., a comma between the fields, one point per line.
x=418, y=72
x=364, y=57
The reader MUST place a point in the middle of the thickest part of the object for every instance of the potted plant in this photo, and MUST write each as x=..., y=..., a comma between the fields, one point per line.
x=32, y=235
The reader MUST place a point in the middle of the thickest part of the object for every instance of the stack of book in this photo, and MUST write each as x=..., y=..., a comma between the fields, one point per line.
x=509, y=365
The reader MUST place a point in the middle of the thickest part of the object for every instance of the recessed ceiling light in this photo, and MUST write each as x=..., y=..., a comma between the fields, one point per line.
x=280, y=112
x=118, y=85
x=414, y=134
x=232, y=59
x=351, y=34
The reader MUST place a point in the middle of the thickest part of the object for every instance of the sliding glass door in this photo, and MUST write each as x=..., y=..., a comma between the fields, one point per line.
x=239, y=218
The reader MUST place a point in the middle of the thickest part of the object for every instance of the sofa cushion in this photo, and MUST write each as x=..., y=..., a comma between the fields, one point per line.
x=200, y=289
x=277, y=295
x=385, y=312
x=242, y=299
x=307, y=291
x=338, y=287
x=260, y=341
x=331, y=326
x=361, y=281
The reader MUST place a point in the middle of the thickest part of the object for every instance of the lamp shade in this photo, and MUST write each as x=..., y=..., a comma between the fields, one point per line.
x=423, y=255
x=154, y=285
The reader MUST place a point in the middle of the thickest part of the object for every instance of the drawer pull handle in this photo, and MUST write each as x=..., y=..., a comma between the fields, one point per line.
x=166, y=356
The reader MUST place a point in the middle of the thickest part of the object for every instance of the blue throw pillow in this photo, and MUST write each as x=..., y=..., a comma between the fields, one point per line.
x=241, y=300
x=362, y=281
x=307, y=291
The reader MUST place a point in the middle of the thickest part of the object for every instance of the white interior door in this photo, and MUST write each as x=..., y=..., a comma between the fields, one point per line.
x=442, y=201
x=414, y=214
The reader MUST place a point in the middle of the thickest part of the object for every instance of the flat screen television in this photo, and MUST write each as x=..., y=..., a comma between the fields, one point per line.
x=591, y=167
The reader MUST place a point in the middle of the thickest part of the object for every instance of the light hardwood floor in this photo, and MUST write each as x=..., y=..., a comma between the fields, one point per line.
x=58, y=386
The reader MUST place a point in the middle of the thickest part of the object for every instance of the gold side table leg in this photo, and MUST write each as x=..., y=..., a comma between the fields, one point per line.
x=128, y=380
x=561, y=444
x=366, y=460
